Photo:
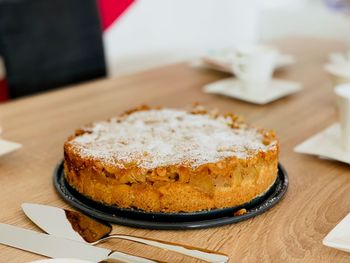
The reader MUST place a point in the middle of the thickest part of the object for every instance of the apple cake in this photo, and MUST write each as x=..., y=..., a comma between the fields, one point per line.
x=171, y=160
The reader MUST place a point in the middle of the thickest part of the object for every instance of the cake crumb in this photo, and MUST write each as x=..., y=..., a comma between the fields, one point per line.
x=240, y=212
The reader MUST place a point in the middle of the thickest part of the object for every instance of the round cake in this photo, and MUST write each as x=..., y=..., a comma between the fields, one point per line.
x=170, y=160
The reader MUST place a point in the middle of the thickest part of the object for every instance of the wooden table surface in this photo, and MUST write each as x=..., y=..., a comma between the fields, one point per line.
x=319, y=192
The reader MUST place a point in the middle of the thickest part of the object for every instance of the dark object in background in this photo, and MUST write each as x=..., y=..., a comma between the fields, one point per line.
x=50, y=43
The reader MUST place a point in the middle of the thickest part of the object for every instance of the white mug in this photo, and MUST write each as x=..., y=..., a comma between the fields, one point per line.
x=343, y=101
x=254, y=66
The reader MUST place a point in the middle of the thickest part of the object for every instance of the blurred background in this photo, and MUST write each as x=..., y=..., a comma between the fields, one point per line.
x=45, y=44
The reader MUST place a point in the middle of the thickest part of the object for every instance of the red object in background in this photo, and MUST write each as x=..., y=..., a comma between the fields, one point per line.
x=3, y=90
x=111, y=10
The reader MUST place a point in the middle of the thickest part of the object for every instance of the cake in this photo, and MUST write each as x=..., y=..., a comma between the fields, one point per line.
x=171, y=160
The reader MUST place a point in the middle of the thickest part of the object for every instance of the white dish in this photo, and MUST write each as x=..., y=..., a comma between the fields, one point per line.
x=221, y=61
x=339, y=237
x=326, y=144
x=7, y=147
x=231, y=87
x=341, y=70
x=61, y=260
x=339, y=57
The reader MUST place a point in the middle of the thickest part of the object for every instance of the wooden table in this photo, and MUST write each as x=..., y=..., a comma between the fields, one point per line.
x=317, y=199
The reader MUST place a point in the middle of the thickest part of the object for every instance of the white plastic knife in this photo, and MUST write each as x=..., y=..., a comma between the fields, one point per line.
x=56, y=247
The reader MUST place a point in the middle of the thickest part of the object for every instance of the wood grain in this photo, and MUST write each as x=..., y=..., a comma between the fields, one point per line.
x=317, y=199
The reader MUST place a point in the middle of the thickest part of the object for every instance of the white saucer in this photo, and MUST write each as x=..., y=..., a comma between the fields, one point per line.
x=339, y=57
x=7, y=147
x=61, y=260
x=221, y=61
x=339, y=237
x=325, y=144
x=341, y=70
x=231, y=87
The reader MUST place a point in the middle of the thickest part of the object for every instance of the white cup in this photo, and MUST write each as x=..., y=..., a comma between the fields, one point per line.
x=254, y=66
x=343, y=101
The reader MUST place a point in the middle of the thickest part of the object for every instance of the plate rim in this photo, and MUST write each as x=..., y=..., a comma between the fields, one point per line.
x=256, y=210
x=293, y=88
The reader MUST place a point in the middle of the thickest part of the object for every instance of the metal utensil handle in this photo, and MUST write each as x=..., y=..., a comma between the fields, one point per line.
x=122, y=257
x=204, y=254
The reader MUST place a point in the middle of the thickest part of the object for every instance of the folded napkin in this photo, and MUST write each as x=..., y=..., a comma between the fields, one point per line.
x=339, y=237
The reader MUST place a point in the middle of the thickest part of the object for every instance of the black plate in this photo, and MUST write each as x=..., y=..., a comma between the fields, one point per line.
x=141, y=219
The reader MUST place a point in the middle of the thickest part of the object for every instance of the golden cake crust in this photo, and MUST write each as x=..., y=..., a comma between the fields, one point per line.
x=227, y=179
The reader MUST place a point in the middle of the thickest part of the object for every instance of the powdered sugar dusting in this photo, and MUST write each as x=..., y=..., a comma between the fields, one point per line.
x=155, y=138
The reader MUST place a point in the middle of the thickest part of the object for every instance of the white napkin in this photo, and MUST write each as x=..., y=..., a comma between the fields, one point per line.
x=339, y=237
x=325, y=144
